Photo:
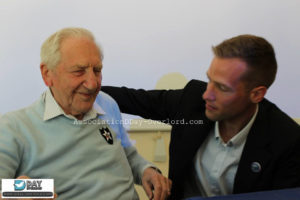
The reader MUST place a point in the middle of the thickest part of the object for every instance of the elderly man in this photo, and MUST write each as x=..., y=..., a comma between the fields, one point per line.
x=64, y=136
x=233, y=140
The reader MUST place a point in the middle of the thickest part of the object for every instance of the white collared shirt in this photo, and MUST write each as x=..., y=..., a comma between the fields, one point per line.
x=216, y=162
x=52, y=109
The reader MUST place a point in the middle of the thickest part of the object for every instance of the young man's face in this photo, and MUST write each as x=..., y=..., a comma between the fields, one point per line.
x=226, y=96
x=76, y=80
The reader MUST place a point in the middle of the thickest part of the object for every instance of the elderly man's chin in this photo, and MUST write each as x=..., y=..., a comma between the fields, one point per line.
x=84, y=106
x=82, y=109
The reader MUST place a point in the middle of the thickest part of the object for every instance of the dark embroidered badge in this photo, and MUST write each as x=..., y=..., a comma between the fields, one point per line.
x=105, y=132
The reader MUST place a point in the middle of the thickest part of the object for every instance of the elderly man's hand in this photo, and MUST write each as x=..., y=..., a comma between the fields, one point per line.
x=26, y=177
x=153, y=180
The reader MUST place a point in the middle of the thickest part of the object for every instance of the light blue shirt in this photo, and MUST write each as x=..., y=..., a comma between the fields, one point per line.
x=216, y=162
x=112, y=117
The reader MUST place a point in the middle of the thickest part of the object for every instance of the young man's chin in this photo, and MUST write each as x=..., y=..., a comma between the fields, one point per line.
x=211, y=116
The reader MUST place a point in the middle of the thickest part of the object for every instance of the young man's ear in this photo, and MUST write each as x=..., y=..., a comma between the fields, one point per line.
x=257, y=94
x=46, y=74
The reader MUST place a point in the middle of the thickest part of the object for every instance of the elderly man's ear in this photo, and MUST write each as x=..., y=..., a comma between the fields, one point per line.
x=46, y=74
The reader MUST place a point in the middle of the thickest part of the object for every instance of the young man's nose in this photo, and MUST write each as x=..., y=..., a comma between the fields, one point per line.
x=209, y=94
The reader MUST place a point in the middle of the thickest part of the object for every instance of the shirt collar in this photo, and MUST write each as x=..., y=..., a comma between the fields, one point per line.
x=52, y=109
x=241, y=136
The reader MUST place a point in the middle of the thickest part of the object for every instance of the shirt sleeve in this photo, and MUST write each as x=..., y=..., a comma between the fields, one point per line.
x=137, y=163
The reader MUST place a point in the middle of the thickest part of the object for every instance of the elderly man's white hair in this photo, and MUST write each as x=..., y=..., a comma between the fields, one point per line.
x=50, y=50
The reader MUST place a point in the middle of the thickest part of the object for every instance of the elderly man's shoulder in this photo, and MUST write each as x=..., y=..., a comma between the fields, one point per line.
x=105, y=100
x=35, y=110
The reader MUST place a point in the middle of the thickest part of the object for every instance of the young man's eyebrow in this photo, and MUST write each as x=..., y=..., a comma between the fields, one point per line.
x=221, y=84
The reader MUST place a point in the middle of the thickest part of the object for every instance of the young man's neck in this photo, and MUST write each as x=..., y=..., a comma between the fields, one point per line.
x=229, y=128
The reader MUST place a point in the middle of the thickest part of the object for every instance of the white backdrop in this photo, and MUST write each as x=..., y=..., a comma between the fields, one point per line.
x=144, y=39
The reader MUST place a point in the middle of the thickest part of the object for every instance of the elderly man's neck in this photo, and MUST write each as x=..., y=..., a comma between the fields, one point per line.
x=79, y=117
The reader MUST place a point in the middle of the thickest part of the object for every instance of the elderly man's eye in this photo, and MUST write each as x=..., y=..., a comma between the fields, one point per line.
x=78, y=72
x=97, y=70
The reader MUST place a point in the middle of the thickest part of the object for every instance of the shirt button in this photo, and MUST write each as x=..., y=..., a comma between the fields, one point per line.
x=230, y=144
x=215, y=190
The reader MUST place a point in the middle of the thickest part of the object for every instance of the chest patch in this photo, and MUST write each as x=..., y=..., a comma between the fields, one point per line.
x=105, y=132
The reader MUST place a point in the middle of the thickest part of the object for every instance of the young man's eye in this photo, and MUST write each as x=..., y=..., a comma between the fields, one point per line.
x=223, y=88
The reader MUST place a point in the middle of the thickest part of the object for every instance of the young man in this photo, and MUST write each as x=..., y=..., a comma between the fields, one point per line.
x=244, y=143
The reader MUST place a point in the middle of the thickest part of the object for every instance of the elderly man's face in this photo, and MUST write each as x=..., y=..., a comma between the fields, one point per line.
x=76, y=80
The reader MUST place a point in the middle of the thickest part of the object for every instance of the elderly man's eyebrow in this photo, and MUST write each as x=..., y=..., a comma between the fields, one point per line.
x=80, y=66
x=86, y=66
x=99, y=66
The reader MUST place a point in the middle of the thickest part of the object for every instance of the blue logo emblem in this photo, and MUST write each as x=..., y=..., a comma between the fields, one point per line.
x=19, y=185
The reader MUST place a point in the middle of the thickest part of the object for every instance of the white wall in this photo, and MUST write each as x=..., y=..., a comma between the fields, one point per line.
x=144, y=39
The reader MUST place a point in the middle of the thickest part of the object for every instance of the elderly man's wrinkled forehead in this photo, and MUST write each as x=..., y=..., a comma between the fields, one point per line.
x=75, y=42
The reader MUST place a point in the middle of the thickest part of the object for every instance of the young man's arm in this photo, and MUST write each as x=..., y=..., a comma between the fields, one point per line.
x=152, y=104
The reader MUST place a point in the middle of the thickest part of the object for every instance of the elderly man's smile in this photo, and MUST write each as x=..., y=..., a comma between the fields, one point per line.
x=87, y=95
